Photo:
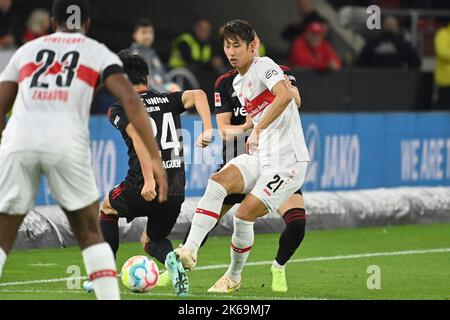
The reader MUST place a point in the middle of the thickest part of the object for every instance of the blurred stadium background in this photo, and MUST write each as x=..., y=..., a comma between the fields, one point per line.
x=376, y=120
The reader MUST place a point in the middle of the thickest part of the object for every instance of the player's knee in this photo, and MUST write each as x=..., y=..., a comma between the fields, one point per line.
x=246, y=214
x=216, y=188
x=218, y=178
x=107, y=209
x=229, y=179
x=251, y=209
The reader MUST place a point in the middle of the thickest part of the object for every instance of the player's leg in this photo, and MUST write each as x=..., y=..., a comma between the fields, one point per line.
x=293, y=213
x=220, y=184
x=226, y=181
x=238, y=176
x=19, y=183
x=241, y=243
x=9, y=225
x=109, y=215
x=271, y=190
x=223, y=211
x=161, y=220
x=72, y=183
x=114, y=204
x=97, y=254
x=164, y=279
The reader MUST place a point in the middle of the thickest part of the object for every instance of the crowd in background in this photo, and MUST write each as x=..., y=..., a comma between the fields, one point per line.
x=13, y=32
x=309, y=38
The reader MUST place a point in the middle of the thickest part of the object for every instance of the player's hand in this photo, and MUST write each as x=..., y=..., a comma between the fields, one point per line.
x=148, y=191
x=204, y=139
x=288, y=82
x=161, y=180
x=252, y=142
x=248, y=123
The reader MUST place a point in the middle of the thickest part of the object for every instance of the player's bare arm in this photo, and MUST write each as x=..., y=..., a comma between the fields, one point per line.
x=8, y=92
x=282, y=98
x=228, y=131
x=148, y=191
x=122, y=89
x=297, y=97
x=199, y=99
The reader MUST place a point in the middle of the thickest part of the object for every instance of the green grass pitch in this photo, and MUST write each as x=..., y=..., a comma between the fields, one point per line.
x=413, y=260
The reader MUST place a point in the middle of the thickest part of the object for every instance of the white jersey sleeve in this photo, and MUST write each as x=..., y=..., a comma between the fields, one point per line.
x=269, y=72
x=107, y=59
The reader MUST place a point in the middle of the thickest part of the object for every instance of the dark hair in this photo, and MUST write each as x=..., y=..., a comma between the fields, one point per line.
x=237, y=29
x=142, y=23
x=59, y=10
x=134, y=66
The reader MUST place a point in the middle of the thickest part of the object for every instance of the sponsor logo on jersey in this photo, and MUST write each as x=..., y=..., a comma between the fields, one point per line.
x=239, y=112
x=259, y=103
x=156, y=100
x=270, y=73
x=217, y=101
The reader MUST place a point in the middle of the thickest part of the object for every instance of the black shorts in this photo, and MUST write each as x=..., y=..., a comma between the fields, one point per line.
x=161, y=216
x=233, y=199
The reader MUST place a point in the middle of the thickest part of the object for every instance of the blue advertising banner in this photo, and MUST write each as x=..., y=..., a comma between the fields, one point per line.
x=347, y=151
x=360, y=151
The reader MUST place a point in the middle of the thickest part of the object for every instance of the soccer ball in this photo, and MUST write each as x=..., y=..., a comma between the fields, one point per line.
x=140, y=274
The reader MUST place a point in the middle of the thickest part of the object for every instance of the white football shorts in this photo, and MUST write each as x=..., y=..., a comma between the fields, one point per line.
x=272, y=185
x=71, y=180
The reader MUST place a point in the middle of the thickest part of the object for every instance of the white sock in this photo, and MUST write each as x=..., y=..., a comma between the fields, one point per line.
x=277, y=265
x=101, y=269
x=241, y=244
x=3, y=257
x=206, y=215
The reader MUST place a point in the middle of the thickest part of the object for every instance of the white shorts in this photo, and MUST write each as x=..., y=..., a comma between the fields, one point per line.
x=273, y=186
x=71, y=181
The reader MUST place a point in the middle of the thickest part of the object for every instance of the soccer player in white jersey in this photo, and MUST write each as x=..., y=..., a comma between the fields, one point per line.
x=51, y=81
x=276, y=160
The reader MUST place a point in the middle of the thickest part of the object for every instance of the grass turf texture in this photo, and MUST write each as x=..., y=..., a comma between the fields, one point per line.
x=403, y=276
